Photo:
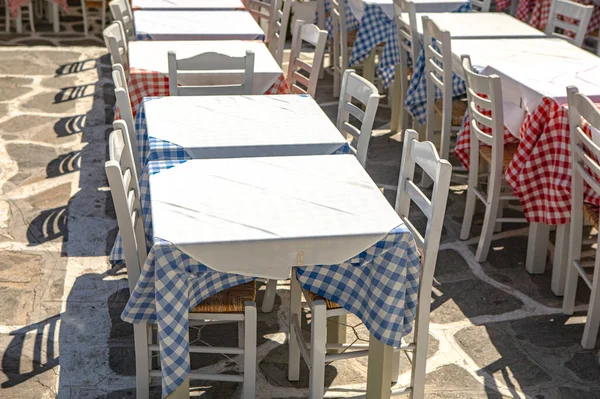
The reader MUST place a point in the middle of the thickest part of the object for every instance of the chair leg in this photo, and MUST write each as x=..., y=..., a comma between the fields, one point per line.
x=142, y=361
x=31, y=17
x=269, y=299
x=395, y=366
x=295, y=312
x=469, y=211
x=241, y=335
x=7, y=19
x=19, y=21
x=103, y=13
x=561, y=259
x=85, y=19
x=590, y=332
x=317, y=350
x=336, y=81
x=249, y=351
x=572, y=272
x=487, y=229
x=498, y=225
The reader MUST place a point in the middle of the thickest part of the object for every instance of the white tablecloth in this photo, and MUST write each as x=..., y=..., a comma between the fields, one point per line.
x=387, y=6
x=258, y=216
x=151, y=55
x=242, y=126
x=187, y=4
x=197, y=25
x=478, y=25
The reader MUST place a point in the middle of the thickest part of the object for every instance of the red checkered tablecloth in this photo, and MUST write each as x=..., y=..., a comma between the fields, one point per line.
x=144, y=83
x=536, y=13
x=502, y=4
x=15, y=5
x=540, y=172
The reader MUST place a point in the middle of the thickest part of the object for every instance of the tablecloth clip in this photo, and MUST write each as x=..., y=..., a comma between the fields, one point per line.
x=300, y=258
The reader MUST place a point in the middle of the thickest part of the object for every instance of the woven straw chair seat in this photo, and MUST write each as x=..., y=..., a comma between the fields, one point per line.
x=93, y=3
x=311, y=296
x=591, y=214
x=459, y=108
x=509, y=153
x=228, y=301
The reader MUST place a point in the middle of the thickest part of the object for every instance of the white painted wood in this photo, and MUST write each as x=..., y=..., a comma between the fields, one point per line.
x=121, y=11
x=269, y=298
x=124, y=104
x=336, y=333
x=293, y=336
x=114, y=39
x=209, y=64
x=278, y=32
x=561, y=259
x=264, y=11
x=484, y=93
x=379, y=373
x=303, y=76
x=318, y=336
x=585, y=167
x=341, y=50
x=481, y=5
x=537, y=248
x=84, y=10
x=571, y=10
x=249, y=351
x=357, y=89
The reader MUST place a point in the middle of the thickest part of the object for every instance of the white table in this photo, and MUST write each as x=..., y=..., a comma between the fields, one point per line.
x=151, y=55
x=387, y=6
x=260, y=216
x=243, y=126
x=197, y=25
x=214, y=5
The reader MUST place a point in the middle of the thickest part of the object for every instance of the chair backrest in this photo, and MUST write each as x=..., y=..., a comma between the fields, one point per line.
x=486, y=116
x=356, y=89
x=440, y=171
x=574, y=19
x=585, y=153
x=438, y=74
x=279, y=30
x=302, y=75
x=340, y=33
x=125, y=191
x=264, y=10
x=481, y=5
x=124, y=104
x=116, y=44
x=207, y=64
x=121, y=11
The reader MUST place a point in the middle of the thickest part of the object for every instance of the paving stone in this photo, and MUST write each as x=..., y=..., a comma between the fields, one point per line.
x=39, y=62
x=572, y=392
x=37, y=128
x=16, y=304
x=58, y=82
x=14, y=87
x=18, y=267
x=51, y=103
x=452, y=378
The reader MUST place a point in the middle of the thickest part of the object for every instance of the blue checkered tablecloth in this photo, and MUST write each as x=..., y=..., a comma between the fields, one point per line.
x=379, y=285
x=351, y=21
x=376, y=27
x=142, y=36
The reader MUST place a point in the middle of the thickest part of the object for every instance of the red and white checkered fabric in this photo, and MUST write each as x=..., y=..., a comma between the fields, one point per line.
x=503, y=4
x=539, y=10
x=540, y=172
x=15, y=5
x=144, y=83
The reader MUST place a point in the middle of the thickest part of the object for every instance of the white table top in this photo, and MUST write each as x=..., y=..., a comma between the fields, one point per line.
x=243, y=126
x=187, y=5
x=260, y=216
x=358, y=6
x=197, y=25
x=151, y=55
x=478, y=25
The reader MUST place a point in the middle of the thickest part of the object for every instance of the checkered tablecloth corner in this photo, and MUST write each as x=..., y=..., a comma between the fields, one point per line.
x=537, y=12
x=143, y=36
x=351, y=21
x=503, y=4
x=380, y=285
x=416, y=96
x=374, y=28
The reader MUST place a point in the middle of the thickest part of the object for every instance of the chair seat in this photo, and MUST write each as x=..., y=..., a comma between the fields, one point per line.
x=591, y=214
x=459, y=108
x=311, y=296
x=93, y=3
x=228, y=301
x=509, y=153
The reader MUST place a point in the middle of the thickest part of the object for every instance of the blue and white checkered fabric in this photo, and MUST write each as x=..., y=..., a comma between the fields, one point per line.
x=143, y=36
x=380, y=285
x=351, y=21
x=376, y=27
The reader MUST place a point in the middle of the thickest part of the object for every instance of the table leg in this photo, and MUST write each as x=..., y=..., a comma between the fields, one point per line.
x=55, y=18
x=379, y=374
x=369, y=67
x=561, y=259
x=19, y=21
x=182, y=391
x=336, y=332
x=397, y=108
x=537, y=248
x=513, y=7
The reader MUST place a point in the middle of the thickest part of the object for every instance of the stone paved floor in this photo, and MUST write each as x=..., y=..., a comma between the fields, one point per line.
x=496, y=331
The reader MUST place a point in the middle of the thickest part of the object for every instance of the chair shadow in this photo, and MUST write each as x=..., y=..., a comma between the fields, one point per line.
x=49, y=225
x=76, y=67
x=74, y=93
x=70, y=125
x=66, y=163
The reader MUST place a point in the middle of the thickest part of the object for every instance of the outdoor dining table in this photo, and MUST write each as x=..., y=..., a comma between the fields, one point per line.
x=212, y=5
x=534, y=75
x=148, y=76
x=222, y=222
x=537, y=12
x=196, y=25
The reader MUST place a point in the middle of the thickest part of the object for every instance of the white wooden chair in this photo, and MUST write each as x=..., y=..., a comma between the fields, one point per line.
x=569, y=12
x=124, y=104
x=121, y=11
x=410, y=48
x=100, y=4
x=279, y=30
x=116, y=43
x=303, y=76
x=414, y=153
x=211, y=63
x=355, y=88
x=235, y=305
x=585, y=168
x=481, y=5
x=19, y=17
x=341, y=45
x=266, y=11
x=484, y=95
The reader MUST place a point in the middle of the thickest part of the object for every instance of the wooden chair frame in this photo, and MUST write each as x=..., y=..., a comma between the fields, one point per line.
x=305, y=33
x=569, y=10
